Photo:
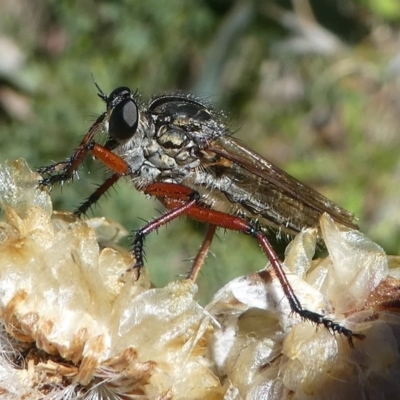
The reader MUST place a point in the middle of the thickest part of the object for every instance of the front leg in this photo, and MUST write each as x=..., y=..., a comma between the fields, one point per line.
x=64, y=170
x=58, y=172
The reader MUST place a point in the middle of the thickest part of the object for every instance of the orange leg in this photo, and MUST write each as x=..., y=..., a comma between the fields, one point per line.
x=202, y=254
x=66, y=169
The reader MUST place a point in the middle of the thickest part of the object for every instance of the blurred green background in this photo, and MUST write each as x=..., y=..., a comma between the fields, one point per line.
x=311, y=85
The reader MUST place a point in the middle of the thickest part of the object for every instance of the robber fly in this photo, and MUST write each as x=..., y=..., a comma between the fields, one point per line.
x=179, y=150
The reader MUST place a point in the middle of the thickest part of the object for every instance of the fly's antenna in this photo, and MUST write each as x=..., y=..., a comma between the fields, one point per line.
x=101, y=94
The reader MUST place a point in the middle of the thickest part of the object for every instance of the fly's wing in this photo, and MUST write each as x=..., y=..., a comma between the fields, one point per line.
x=280, y=199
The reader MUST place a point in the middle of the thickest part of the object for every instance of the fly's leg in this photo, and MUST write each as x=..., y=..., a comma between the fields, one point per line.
x=178, y=199
x=111, y=160
x=294, y=302
x=95, y=196
x=65, y=170
x=202, y=254
x=185, y=201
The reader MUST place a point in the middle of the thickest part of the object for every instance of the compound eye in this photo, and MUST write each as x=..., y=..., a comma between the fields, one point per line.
x=117, y=95
x=123, y=120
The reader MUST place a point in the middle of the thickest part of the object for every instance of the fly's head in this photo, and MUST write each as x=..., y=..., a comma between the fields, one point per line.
x=126, y=125
x=122, y=114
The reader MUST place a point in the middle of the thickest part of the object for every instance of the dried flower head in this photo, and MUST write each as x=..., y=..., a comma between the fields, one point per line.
x=75, y=324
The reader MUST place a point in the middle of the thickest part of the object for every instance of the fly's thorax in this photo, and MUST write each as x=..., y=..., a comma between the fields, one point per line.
x=163, y=153
x=177, y=144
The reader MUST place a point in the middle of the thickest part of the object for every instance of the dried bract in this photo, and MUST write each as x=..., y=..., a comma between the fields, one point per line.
x=78, y=324
x=75, y=324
